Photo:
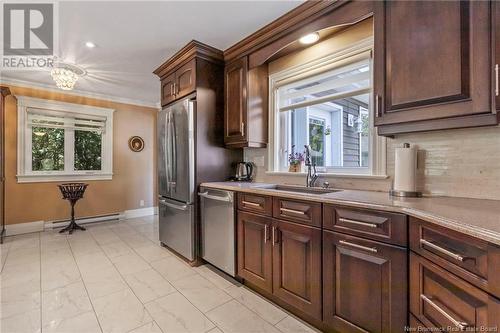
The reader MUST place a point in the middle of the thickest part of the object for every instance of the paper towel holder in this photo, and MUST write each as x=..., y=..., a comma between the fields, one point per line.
x=405, y=194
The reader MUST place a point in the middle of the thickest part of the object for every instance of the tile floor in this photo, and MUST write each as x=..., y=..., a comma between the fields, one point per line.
x=115, y=277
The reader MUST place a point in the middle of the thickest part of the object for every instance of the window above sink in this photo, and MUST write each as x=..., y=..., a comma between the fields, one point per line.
x=327, y=104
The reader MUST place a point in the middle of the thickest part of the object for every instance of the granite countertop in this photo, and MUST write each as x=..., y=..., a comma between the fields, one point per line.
x=474, y=217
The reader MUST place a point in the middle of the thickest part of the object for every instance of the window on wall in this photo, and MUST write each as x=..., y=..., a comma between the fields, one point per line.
x=61, y=141
x=327, y=106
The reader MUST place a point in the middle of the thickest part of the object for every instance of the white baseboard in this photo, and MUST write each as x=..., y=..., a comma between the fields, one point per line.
x=133, y=213
x=58, y=224
x=23, y=228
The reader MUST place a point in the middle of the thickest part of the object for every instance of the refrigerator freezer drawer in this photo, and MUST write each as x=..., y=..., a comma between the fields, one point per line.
x=177, y=229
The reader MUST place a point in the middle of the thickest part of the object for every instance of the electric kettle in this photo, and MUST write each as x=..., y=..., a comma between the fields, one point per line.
x=244, y=171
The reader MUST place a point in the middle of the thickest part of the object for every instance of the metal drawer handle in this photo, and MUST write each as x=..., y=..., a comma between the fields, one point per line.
x=443, y=251
x=251, y=203
x=365, y=224
x=275, y=238
x=266, y=228
x=178, y=207
x=227, y=198
x=496, y=80
x=286, y=210
x=361, y=247
x=460, y=324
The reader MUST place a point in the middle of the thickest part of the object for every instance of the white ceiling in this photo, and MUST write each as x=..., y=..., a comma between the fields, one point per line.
x=134, y=37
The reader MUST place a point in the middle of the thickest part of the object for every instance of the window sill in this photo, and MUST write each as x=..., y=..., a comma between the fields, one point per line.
x=329, y=175
x=62, y=178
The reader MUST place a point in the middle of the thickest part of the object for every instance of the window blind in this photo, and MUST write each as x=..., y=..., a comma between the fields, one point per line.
x=346, y=81
x=52, y=119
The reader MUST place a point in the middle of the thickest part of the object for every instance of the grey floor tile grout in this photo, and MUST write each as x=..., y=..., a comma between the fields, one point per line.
x=85, y=286
x=172, y=284
x=128, y=285
x=144, y=228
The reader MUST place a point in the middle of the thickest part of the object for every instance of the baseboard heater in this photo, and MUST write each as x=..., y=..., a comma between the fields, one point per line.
x=83, y=220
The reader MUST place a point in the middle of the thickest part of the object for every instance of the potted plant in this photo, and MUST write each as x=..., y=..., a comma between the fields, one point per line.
x=295, y=160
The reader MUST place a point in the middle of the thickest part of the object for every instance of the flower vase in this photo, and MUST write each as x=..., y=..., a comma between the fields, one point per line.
x=296, y=167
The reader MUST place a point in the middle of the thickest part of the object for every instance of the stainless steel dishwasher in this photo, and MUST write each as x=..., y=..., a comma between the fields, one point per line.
x=218, y=245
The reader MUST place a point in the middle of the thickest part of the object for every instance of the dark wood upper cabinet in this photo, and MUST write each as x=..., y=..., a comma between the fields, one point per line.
x=168, y=89
x=178, y=84
x=245, y=105
x=185, y=79
x=255, y=250
x=433, y=65
x=195, y=65
x=441, y=300
x=235, y=95
x=297, y=266
x=364, y=285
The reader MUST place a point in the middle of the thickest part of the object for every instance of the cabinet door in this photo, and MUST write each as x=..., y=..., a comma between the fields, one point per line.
x=168, y=89
x=364, y=285
x=297, y=266
x=235, y=112
x=432, y=60
x=254, y=250
x=441, y=300
x=185, y=79
x=496, y=32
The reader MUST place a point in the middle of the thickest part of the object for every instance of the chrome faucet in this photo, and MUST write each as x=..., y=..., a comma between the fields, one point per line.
x=312, y=176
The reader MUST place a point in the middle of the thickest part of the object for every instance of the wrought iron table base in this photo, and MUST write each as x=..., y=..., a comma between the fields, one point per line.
x=72, y=192
x=72, y=225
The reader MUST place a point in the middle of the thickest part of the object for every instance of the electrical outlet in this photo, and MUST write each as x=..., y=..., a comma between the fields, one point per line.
x=141, y=203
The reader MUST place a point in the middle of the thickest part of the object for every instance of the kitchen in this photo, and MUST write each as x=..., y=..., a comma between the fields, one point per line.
x=334, y=168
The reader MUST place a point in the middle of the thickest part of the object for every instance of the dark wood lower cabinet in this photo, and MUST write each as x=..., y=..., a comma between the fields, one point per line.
x=297, y=266
x=364, y=285
x=439, y=299
x=255, y=250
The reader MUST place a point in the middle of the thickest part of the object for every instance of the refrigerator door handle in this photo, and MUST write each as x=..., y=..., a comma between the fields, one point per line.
x=174, y=206
x=191, y=110
x=166, y=150
x=173, y=151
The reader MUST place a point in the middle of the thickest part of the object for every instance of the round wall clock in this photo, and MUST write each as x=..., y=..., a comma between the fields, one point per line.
x=136, y=143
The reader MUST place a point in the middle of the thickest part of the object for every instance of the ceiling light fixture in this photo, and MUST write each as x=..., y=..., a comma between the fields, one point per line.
x=309, y=38
x=90, y=45
x=65, y=75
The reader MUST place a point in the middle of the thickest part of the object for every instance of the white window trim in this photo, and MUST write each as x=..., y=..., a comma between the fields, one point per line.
x=24, y=173
x=377, y=165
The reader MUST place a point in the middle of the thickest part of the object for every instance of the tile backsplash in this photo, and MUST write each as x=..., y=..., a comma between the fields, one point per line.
x=458, y=163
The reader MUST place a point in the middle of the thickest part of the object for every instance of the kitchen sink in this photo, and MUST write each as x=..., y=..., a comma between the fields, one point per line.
x=302, y=189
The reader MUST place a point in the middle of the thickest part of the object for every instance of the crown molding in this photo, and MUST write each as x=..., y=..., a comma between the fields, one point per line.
x=77, y=92
x=294, y=19
x=193, y=49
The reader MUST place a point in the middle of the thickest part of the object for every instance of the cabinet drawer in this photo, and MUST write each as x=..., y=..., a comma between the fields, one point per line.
x=297, y=211
x=470, y=258
x=416, y=324
x=440, y=299
x=382, y=226
x=260, y=204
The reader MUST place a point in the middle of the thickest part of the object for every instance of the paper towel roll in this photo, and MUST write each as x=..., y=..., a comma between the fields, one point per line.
x=405, y=177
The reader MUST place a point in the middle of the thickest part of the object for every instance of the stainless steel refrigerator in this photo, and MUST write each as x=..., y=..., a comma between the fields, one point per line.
x=176, y=177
